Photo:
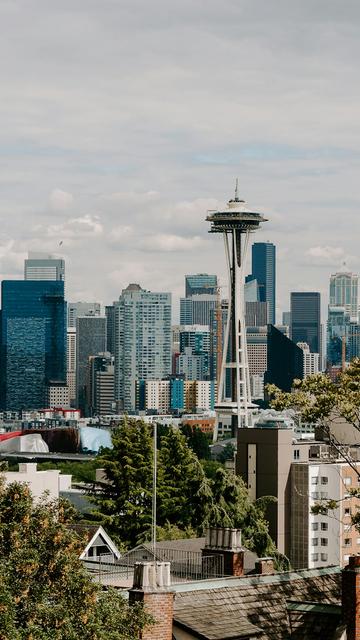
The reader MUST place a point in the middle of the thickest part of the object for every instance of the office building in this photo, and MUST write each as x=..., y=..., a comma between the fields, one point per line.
x=77, y=309
x=44, y=266
x=110, y=328
x=251, y=290
x=310, y=360
x=57, y=395
x=142, y=341
x=284, y=360
x=305, y=319
x=33, y=342
x=264, y=271
x=256, y=314
x=344, y=292
x=197, y=309
x=193, y=365
x=71, y=364
x=100, y=385
x=90, y=340
x=200, y=283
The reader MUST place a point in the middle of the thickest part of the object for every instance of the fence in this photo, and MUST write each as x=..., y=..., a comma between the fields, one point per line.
x=185, y=566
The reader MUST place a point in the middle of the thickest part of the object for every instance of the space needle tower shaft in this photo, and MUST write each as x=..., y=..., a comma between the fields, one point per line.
x=236, y=222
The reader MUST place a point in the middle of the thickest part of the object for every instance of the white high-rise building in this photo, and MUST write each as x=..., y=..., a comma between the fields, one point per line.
x=44, y=266
x=311, y=360
x=142, y=337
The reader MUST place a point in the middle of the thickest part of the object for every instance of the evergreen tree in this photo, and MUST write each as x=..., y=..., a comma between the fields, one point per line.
x=198, y=441
x=184, y=490
x=124, y=497
x=45, y=591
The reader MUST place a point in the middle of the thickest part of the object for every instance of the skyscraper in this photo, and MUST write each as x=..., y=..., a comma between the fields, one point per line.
x=264, y=271
x=90, y=340
x=200, y=283
x=197, y=309
x=142, y=341
x=44, y=266
x=33, y=342
x=305, y=319
x=285, y=360
x=77, y=309
x=344, y=292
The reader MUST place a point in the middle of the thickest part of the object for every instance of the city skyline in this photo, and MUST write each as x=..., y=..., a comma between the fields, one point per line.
x=96, y=147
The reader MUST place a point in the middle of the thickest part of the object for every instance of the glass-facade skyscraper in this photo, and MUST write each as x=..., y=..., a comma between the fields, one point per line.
x=264, y=271
x=200, y=283
x=142, y=341
x=305, y=319
x=344, y=292
x=33, y=342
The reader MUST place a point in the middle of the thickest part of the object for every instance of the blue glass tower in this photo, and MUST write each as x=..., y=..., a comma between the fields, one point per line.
x=264, y=271
x=33, y=341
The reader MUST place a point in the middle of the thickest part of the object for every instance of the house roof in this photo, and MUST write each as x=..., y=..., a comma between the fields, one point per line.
x=259, y=607
x=91, y=532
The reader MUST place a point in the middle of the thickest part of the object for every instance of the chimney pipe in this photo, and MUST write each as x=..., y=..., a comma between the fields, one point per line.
x=151, y=586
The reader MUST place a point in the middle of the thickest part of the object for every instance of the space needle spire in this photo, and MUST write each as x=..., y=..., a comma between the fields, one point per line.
x=235, y=222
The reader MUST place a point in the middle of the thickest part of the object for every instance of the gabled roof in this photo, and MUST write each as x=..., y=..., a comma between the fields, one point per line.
x=92, y=532
x=239, y=608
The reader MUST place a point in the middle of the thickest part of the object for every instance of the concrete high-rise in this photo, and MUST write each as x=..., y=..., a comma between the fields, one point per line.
x=200, y=283
x=264, y=271
x=235, y=223
x=33, y=342
x=142, y=341
x=90, y=340
x=44, y=266
x=305, y=319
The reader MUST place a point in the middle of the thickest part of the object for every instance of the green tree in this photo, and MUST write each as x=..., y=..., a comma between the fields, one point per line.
x=45, y=591
x=184, y=490
x=124, y=497
x=198, y=441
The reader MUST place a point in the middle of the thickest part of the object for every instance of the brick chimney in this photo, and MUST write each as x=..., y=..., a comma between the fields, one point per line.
x=264, y=566
x=225, y=542
x=351, y=598
x=151, y=585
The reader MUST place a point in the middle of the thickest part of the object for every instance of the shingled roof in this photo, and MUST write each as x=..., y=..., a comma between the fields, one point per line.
x=304, y=604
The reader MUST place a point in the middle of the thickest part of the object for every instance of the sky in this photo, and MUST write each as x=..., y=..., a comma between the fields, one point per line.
x=124, y=121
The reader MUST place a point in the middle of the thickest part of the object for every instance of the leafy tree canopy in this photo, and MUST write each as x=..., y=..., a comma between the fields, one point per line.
x=188, y=499
x=45, y=592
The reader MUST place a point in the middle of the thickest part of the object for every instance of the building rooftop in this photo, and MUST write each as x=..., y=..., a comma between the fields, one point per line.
x=269, y=607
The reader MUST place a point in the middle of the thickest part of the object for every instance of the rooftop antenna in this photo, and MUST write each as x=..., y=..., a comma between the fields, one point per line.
x=237, y=190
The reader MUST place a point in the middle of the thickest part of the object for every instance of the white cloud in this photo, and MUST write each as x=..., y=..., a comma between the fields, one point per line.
x=326, y=253
x=170, y=242
x=60, y=200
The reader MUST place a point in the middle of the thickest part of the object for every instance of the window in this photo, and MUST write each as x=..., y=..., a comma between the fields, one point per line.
x=324, y=526
x=324, y=542
x=296, y=454
x=324, y=557
x=347, y=527
x=314, y=557
x=347, y=542
x=314, y=542
x=314, y=526
x=314, y=480
x=324, y=480
x=324, y=495
x=315, y=495
x=347, y=481
x=347, y=511
x=346, y=559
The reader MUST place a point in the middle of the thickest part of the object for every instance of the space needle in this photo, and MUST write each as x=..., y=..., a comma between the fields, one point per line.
x=236, y=222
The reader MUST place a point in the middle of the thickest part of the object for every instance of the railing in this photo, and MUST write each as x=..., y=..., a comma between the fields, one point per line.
x=185, y=566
